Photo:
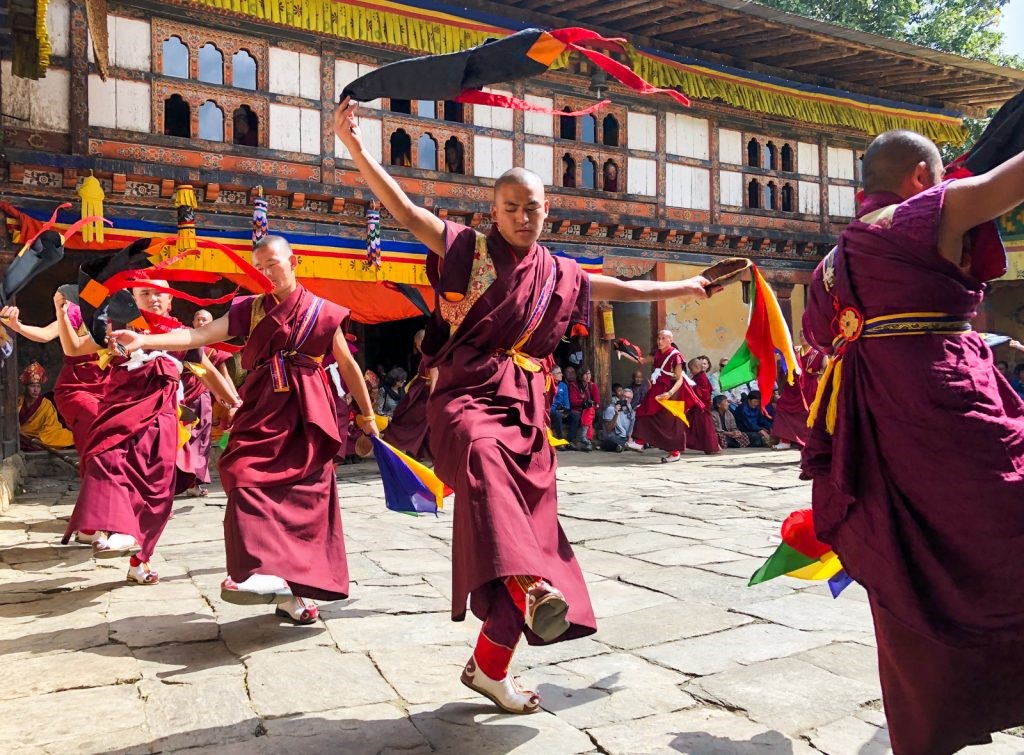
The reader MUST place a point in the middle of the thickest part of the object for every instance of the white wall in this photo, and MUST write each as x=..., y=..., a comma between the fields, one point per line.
x=540, y=124
x=116, y=103
x=294, y=129
x=293, y=73
x=731, y=184
x=686, y=136
x=809, y=200
x=493, y=117
x=840, y=163
x=730, y=146
x=491, y=156
x=807, y=159
x=642, y=176
x=41, y=105
x=345, y=72
x=841, y=201
x=686, y=186
x=642, y=131
x=540, y=158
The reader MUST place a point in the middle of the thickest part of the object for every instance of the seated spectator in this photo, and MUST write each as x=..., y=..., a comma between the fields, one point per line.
x=729, y=434
x=1018, y=380
x=715, y=377
x=618, y=419
x=564, y=423
x=391, y=391
x=639, y=386
x=37, y=415
x=751, y=420
x=584, y=398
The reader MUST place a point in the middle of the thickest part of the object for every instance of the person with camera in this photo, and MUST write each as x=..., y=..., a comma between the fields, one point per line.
x=618, y=419
x=584, y=399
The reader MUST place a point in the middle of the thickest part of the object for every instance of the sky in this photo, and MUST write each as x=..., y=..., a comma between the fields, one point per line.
x=1012, y=26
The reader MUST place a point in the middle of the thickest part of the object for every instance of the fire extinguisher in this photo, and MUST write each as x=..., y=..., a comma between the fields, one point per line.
x=607, y=318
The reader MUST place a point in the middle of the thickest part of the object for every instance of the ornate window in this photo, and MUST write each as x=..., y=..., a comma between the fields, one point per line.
x=589, y=129
x=426, y=108
x=568, y=171
x=454, y=156
x=211, y=64
x=589, y=174
x=211, y=122
x=246, y=127
x=610, y=131
x=454, y=112
x=567, y=125
x=610, y=176
x=243, y=70
x=754, y=153
x=177, y=117
x=771, y=196
x=175, y=58
x=771, y=157
x=754, y=194
x=426, y=152
x=788, y=205
x=401, y=148
x=787, y=159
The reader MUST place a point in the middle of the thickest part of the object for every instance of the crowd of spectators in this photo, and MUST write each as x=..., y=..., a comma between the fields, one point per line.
x=585, y=421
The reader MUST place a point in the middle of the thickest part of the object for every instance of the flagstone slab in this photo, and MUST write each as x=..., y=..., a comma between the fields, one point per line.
x=664, y=623
x=210, y=711
x=55, y=672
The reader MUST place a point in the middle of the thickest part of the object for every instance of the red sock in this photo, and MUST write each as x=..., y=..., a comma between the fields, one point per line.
x=517, y=586
x=492, y=657
x=134, y=561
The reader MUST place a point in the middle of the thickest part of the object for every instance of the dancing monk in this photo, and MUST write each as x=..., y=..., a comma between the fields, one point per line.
x=282, y=527
x=916, y=452
x=502, y=305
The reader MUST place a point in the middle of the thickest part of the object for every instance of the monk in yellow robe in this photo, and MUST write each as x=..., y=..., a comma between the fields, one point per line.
x=37, y=415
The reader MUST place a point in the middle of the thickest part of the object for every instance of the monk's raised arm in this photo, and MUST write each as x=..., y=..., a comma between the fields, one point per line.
x=177, y=340
x=11, y=317
x=969, y=202
x=219, y=386
x=606, y=288
x=421, y=223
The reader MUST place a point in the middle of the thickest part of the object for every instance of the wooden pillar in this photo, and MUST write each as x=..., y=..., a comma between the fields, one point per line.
x=784, y=293
x=597, y=355
x=658, y=310
x=327, y=106
x=78, y=121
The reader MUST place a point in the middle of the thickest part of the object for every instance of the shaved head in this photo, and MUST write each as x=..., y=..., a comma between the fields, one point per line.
x=273, y=256
x=518, y=177
x=895, y=156
x=148, y=299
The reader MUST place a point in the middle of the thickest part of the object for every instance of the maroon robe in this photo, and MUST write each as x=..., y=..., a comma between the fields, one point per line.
x=409, y=431
x=488, y=421
x=128, y=468
x=701, y=435
x=920, y=488
x=790, y=420
x=655, y=424
x=197, y=398
x=283, y=516
x=77, y=394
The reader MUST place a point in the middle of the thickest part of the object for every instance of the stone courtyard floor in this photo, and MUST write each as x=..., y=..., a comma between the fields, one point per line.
x=686, y=657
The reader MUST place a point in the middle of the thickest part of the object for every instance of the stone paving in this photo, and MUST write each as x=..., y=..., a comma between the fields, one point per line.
x=686, y=658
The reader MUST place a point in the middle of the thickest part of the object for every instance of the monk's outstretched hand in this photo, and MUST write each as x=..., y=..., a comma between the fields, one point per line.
x=129, y=340
x=369, y=426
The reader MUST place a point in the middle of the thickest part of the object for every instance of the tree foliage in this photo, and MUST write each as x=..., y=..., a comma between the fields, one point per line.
x=963, y=27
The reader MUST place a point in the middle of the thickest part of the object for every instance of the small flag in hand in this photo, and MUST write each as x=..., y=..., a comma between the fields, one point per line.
x=802, y=555
x=409, y=486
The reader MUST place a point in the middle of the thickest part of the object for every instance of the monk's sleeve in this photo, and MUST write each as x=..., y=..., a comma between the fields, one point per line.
x=240, y=317
x=449, y=275
x=819, y=314
x=581, y=310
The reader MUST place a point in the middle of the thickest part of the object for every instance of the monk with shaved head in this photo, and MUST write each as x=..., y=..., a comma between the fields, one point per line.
x=282, y=528
x=131, y=463
x=916, y=449
x=503, y=302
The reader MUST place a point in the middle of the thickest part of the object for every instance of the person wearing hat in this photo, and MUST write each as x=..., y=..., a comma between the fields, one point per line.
x=37, y=416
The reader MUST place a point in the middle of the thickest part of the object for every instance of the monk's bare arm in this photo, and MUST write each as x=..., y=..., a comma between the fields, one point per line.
x=223, y=370
x=606, y=288
x=222, y=389
x=355, y=383
x=11, y=317
x=177, y=340
x=969, y=202
x=423, y=224
x=678, y=374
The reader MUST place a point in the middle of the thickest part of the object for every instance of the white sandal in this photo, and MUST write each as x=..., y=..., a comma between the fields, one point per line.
x=113, y=545
x=259, y=589
x=142, y=574
x=299, y=611
x=505, y=693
